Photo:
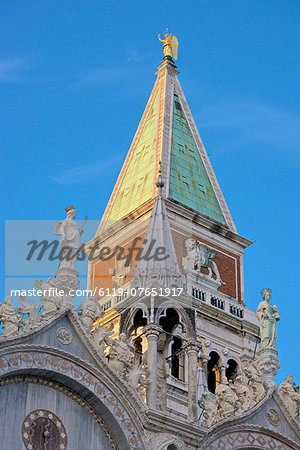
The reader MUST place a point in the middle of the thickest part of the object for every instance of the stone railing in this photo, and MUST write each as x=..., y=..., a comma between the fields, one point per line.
x=220, y=301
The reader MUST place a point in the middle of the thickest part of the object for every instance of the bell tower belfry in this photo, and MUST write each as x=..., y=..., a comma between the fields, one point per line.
x=167, y=260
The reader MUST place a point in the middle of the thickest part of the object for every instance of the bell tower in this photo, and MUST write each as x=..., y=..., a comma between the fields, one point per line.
x=167, y=259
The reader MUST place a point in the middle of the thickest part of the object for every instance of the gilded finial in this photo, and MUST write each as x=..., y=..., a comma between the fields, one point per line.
x=170, y=46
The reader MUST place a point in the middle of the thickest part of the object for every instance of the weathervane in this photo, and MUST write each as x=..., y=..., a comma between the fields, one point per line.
x=170, y=45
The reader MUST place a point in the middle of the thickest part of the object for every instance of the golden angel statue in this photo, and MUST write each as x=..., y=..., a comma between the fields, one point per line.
x=170, y=45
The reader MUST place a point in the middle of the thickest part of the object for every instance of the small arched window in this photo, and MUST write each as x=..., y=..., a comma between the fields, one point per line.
x=213, y=372
x=231, y=370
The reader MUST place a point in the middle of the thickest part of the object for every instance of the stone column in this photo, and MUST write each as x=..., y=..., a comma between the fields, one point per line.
x=192, y=349
x=205, y=359
x=152, y=332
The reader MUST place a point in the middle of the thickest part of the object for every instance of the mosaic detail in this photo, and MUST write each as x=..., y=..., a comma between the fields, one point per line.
x=189, y=182
x=58, y=364
x=43, y=430
x=249, y=440
x=64, y=335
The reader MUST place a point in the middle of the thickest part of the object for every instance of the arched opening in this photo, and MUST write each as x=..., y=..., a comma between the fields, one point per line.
x=213, y=372
x=170, y=323
x=231, y=370
x=136, y=330
x=170, y=320
x=177, y=359
x=172, y=447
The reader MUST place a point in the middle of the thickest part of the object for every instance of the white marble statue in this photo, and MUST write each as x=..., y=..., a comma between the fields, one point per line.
x=210, y=409
x=119, y=273
x=290, y=395
x=244, y=393
x=51, y=303
x=138, y=378
x=191, y=260
x=227, y=401
x=9, y=318
x=89, y=312
x=31, y=311
x=254, y=375
x=198, y=256
x=121, y=355
x=268, y=317
x=102, y=337
x=70, y=239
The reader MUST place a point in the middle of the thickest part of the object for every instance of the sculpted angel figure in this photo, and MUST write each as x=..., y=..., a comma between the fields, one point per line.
x=170, y=45
x=9, y=318
x=89, y=312
x=121, y=355
x=290, y=395
x=70, y=239
x=31, y=310
x=268, y=317
x=51, y=303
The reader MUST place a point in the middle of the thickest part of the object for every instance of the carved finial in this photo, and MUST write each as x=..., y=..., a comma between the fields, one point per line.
x=170, y=46
x=159, y=182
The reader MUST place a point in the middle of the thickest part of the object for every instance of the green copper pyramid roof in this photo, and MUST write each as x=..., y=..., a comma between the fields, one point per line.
x=137, y=184
x=189, y=183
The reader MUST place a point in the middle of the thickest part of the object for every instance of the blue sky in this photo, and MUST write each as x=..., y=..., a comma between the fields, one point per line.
x=75, y=78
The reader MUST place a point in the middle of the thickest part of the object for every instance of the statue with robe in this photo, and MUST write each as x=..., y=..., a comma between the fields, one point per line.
x=268, y=317
x=9, y=318
x=121, y=355
x=291, y=397
x=70, y=239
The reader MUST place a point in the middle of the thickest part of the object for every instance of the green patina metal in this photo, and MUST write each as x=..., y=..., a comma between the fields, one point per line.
x=189, y=182
x=136, y=187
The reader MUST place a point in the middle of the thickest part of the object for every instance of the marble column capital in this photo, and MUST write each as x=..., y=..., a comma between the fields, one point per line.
x=152, y=330
x=192, y=346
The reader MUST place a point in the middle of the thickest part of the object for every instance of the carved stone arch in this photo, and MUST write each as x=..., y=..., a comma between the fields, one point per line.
x=163, y=441
x=232, y=365
x=129, y=321
x=184, y=319
x=256, y=438
x=85, y=382
x=216, y=350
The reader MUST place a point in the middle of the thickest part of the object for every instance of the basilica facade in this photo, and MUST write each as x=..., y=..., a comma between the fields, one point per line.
x=163, y=353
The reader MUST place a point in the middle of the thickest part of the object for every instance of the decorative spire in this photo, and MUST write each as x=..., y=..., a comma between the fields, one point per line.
x=164, y=271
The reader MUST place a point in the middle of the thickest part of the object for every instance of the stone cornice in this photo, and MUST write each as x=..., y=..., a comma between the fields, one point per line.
x=168, y=423
x=213, y=226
